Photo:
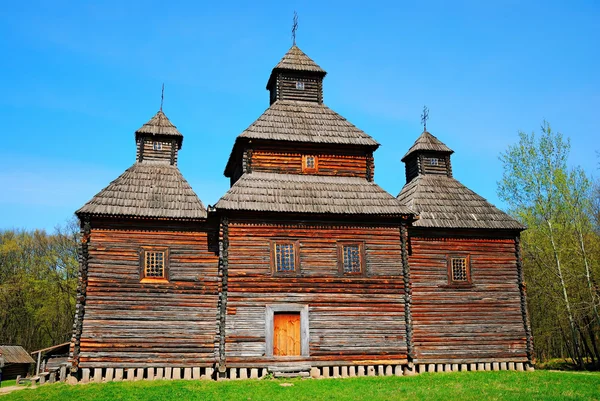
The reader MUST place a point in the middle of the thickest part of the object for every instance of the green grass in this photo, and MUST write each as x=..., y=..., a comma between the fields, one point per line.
x=504, y=385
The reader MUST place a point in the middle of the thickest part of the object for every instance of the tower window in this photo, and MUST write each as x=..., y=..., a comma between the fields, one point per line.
x=300, y=85
x=157, y=145
x=154, y=264
x=310, y=164
x=433, y=161
x=459, y=270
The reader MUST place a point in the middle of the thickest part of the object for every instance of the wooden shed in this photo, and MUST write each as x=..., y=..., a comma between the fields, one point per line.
x=17, y=362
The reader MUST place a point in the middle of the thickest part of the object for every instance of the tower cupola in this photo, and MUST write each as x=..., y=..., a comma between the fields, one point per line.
x=428, y=155
x=158, y=140
x=296, y=77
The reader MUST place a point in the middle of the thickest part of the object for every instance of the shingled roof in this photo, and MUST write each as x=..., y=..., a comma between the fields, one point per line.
x=159, y=125
x=272, y=192
x=296, y=59
x=15, y=354
x=444, y=202
x=290, y=120
x=427, y=142
x=147, y=189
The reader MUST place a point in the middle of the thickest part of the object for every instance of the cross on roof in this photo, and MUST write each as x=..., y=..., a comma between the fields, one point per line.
x=162, y=96
x=294, y=27
x=425, y=117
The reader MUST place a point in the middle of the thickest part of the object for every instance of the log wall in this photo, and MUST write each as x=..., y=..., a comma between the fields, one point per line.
x=473, y=323
x=133, y=324
x=347, y=164
x=350, y=319
x=168, y=152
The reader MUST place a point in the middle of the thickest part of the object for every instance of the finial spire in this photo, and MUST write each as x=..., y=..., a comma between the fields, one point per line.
x=294, y=28
x=424, y=118
x=162, y=96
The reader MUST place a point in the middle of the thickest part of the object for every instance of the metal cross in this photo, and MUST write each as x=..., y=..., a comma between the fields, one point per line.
x=294, y=27
x=162, y=96
x=425, y=117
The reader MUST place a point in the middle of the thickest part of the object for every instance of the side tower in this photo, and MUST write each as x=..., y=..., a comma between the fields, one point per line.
x=468, y=303
x=313, y=250
x=148, y=288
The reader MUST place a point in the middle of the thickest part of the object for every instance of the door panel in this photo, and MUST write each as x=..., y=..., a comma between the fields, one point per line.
x=286, y=334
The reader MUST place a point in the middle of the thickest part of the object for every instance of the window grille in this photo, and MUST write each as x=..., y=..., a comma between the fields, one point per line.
x=285, y=261
x=433, y=161
x=310, y=164
x=351, y=259
x=157, y=146
x=154, y=264
x=459, y=270
x=299, y=85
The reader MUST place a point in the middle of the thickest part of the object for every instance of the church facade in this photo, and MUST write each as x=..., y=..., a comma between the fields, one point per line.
x=305, y=266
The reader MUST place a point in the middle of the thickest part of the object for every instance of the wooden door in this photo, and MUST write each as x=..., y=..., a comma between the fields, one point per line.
x=286, y=334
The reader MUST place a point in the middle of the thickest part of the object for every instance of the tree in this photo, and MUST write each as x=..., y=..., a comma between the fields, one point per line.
x=555, y=202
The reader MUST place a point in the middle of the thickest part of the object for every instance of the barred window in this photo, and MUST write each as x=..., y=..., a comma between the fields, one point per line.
x=157, y=145
x=433, y=161
x=154, y=264
x=285, y=257
x=300, y=85
x=350, y=258
x=459, y=269
x=309, y=164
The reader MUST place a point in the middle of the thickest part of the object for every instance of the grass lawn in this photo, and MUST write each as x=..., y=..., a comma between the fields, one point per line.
x=504, y=385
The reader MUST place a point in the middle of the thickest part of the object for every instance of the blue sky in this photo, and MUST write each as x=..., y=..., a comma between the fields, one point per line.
x=78, y=78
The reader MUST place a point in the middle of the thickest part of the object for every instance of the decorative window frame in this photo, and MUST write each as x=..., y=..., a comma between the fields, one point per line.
x=157, y=145
x=451, y=282
x=305, y=168
x=304, y=330
x=361, y=254
x=143, y=252
x=273, y=252
x=300, y=85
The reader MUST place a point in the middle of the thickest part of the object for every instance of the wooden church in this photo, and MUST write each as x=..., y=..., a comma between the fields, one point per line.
x=304, y=267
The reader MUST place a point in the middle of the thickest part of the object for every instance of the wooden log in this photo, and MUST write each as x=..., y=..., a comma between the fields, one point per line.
x=98, y=375
x=431, y=368
x=85, y=375
x=109, y=374
x=495, y=366
x=361, y=371
x=139, y=374
x=352, y=371
x=130, y=374
x=168, y=373
x=187, y=373
x=315, y=372
x=370, y=370
x=480, y=366
x=196, y=373
x=208, y=373
x=398, y=370
x=336, y=371
x=233, y=373
x=63, y=373
x=326, y=371
x=519, y=366
x=176, y=373
x=160, y=373
x=389, y=370
x=52, y=377
x=344, y=371
x=243, y=373
x=254, y=373
x=503, y=366
x=119, y=374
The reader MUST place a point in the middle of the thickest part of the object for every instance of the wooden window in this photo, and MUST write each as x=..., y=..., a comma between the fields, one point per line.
x=310, y=164
x=459, y=269
x=433, y=161
x=284, y=257
x=154, y=264
x=157, y=145
x=351, y=258
x=299, y=85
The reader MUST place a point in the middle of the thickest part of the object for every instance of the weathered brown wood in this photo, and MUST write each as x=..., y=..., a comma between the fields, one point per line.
x=481, y=321
x=132, y=323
